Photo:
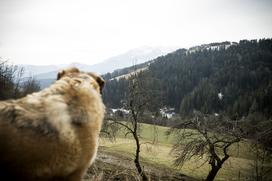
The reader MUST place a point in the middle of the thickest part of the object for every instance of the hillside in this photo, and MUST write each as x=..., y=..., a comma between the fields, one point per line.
x=157, y=157
x=228, y=78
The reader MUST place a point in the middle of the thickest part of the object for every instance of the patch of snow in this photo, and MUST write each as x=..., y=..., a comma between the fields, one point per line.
x=126, y=76
x=220, y=96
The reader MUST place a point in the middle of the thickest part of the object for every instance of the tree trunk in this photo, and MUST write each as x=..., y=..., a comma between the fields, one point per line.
x=136, y=160
x=213, y=173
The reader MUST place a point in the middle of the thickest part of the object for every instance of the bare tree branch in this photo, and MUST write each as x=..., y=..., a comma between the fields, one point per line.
x=205, y=135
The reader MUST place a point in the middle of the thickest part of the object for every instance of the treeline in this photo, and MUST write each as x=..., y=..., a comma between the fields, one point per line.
x=232, y=80
x=12, y=83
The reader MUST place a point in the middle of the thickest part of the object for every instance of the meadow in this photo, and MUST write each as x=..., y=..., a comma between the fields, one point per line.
x=156, y=150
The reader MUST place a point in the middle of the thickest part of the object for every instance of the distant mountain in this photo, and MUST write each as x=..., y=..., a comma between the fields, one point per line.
x=45, y=82
x=132, y=57
x=32, y=70
x=135, y=56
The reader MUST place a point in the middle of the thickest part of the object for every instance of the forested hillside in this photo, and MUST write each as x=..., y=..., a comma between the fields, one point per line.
x=230, y=78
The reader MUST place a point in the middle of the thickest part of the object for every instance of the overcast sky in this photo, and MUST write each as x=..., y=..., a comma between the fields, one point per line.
x=89, y=31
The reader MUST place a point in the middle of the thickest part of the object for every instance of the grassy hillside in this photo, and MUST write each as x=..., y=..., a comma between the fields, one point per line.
x=158, y=153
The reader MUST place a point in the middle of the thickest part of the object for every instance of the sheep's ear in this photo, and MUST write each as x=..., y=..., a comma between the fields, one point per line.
x=60, y=74
x=99, y=80
x=67, y=71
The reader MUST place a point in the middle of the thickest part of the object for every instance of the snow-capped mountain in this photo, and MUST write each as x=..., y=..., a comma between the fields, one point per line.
x=132, y=57
x=48, y=73
x=129, y=58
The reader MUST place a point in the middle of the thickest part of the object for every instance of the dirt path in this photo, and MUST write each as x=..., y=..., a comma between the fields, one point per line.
x=112, y=166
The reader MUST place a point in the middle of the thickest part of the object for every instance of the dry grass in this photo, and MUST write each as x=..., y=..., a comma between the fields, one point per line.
x=111, y=166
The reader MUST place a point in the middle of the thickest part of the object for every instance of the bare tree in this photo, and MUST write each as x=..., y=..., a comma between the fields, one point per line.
x=17, y=81
x=10, y=76
x=29, y=86
x=12, y=83
x=261, y=147
x=205, y=137
x=136, y=102
x=262, y=170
